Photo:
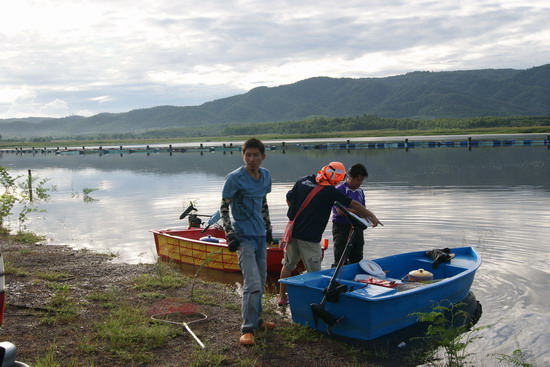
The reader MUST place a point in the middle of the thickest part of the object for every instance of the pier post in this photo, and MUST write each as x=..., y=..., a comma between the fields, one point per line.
x=30, y=185
x=469, y=143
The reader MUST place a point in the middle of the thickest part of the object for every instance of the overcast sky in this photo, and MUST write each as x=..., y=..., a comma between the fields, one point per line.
x=64, y=57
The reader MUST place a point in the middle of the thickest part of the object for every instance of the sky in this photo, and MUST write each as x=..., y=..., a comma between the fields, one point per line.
x=83, y=57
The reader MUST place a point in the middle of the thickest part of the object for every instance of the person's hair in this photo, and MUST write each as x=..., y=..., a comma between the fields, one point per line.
x=253, y=143
x=358, y=170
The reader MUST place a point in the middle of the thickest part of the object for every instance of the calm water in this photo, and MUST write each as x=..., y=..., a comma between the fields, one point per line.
x=496, y=199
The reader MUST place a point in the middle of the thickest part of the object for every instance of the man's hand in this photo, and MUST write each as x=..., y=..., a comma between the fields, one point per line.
x=375, y=222
x=269, y=237
x=232, y=242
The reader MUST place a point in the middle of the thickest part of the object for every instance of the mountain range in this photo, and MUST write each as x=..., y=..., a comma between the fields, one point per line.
x=415, y=95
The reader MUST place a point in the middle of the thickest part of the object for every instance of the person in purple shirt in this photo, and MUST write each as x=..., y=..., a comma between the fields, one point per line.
x=341, y=227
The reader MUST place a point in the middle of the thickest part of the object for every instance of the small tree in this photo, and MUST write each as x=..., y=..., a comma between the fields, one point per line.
x=450, y=329
x=20, y=191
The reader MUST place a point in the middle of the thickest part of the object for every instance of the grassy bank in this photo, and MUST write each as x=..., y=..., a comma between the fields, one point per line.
x=80, y=309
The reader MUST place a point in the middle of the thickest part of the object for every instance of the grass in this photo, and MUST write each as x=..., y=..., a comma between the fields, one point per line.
x=129, y=335
x=28, y=237
x=164, y=277
x=13, y=270
x=61, y=307
x=204, y=357
x=297, y=334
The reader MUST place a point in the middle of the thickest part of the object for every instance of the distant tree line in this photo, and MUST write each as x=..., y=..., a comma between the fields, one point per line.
x=316, y=124
x=369, y=122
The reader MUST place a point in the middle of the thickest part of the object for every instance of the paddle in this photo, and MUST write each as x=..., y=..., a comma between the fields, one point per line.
x=331, y=292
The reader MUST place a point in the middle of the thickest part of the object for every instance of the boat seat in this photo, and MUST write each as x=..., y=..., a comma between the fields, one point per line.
x=372, y=291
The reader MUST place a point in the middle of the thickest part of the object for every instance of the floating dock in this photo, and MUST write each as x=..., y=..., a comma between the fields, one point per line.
x=202, y=148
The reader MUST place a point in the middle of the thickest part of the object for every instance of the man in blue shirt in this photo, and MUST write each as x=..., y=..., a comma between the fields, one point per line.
x=244, y=192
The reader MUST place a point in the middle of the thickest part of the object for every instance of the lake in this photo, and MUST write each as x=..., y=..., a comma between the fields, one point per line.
x=494, y=198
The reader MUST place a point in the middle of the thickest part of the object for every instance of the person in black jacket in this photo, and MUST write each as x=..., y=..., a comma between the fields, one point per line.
x=311, y=223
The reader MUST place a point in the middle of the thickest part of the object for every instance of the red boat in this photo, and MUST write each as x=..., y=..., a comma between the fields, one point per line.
x=207, y=248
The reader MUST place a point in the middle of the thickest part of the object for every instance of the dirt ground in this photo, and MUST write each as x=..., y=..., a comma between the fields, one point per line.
x=28, y=296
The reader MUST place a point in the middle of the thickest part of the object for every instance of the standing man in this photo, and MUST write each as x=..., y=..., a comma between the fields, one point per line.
x=311, y=223
x=245, y=191
x=341, y=227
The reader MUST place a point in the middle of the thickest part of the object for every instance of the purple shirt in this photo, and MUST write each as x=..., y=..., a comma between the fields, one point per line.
x=357, y=195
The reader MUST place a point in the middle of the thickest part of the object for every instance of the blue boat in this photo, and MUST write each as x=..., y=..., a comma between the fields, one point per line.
x=365, y=310
x=371, y=299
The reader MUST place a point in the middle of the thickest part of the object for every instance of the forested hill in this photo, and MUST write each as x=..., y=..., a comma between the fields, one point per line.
x=425, y=95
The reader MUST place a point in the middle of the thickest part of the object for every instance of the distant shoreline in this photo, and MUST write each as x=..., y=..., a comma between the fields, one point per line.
x=352, y=136
x=322, y=143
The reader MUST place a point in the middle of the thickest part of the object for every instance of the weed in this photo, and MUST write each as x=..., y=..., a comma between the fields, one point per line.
x=202, y=357
x=12, y=270
x=210, y=257
x=204, y=298
x=446, y=326
x=86, y=195
x=151, y=295
x=105, y=299
x=164, y=278
x=61, y=307
x=129, y=335
x=87, y=345
x=517, y=358
x=232, y=306
x=261, y=345
x=52, y=276
x=28, y=237
x=298, y=334
x=48, y=358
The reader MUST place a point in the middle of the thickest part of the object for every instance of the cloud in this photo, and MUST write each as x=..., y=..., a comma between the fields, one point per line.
x=57, y=107
x=106, y=56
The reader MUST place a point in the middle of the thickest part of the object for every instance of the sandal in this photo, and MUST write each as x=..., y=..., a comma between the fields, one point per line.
x=283, y=301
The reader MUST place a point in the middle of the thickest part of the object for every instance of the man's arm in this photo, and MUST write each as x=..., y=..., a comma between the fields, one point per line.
x=226, y=220
x=267, y=220
x=232, y=242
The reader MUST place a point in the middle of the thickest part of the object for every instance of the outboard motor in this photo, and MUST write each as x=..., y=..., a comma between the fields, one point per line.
x=194, y=221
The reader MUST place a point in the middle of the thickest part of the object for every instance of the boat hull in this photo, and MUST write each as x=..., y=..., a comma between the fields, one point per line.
x=367, y=312
x=185, y=246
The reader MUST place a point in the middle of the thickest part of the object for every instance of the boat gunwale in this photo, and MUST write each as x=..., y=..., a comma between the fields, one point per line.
x=476, y=263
